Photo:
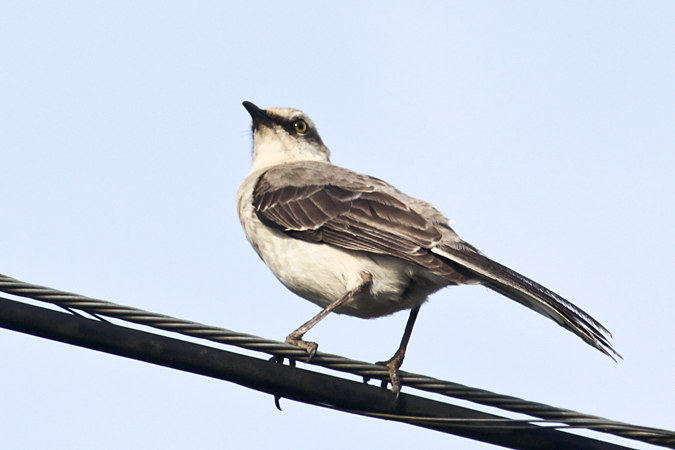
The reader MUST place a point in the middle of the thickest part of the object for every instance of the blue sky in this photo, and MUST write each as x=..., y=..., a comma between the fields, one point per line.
x=545, y=130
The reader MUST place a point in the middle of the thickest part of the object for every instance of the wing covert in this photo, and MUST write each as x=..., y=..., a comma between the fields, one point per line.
x=349, y=212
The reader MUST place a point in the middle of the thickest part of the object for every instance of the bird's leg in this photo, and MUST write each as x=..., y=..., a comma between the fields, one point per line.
x=394, y=363
x=295, y=337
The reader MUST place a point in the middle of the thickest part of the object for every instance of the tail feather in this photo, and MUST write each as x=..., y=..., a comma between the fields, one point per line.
x=533, y=295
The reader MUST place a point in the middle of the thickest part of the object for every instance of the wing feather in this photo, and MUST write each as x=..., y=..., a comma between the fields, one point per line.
x=319, y=202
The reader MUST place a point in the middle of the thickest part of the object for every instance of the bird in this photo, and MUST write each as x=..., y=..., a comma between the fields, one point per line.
x=354, y=244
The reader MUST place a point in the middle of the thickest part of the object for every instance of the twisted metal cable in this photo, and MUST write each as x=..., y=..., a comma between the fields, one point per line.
x=567, y=417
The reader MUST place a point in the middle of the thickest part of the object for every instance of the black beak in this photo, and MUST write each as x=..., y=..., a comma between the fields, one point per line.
x=258, y=115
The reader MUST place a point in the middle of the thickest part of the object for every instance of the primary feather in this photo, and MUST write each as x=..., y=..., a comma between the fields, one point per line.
x=357, y=212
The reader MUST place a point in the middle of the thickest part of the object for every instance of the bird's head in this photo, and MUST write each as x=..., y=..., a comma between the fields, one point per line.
x=283, y=135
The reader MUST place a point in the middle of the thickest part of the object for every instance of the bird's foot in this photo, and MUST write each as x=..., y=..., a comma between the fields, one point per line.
x=308, y=346
x=393, y=365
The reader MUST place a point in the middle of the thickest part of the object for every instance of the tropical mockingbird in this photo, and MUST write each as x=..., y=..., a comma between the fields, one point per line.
x=356, y=245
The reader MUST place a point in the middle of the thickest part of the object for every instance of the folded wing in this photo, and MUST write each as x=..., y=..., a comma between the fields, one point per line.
x=320, y=202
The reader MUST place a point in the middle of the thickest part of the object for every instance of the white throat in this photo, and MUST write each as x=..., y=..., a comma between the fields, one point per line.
x=272, y=147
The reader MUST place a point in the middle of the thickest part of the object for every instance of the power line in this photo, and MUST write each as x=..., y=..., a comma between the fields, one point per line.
x=289, y=382
x=549, y=413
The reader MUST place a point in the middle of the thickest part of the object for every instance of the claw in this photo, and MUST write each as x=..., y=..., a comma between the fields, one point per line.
x=392, y=365
x=279, y=360
x=309, y=346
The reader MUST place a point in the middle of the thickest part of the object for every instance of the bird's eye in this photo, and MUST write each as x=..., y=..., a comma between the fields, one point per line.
x=301, y=126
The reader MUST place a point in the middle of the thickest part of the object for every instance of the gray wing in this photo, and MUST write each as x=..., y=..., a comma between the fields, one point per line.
x=320, y=202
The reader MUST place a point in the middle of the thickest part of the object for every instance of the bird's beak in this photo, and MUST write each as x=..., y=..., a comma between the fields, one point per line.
x=258, y=115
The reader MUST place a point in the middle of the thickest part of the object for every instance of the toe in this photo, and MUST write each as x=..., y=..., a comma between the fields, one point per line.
x=310, y=347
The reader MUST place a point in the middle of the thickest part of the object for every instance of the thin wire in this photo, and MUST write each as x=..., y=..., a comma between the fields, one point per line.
x=567, y=417
x=305, y=386
x=509, y=424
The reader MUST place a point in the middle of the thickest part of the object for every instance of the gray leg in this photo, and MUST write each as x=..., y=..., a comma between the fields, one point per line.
x=395, y=362
x=295, y=337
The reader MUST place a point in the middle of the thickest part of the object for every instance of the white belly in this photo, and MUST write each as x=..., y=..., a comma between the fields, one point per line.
x=322, y=273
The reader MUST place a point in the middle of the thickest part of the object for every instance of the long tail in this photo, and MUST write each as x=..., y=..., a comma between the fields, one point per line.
x=531, y=294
